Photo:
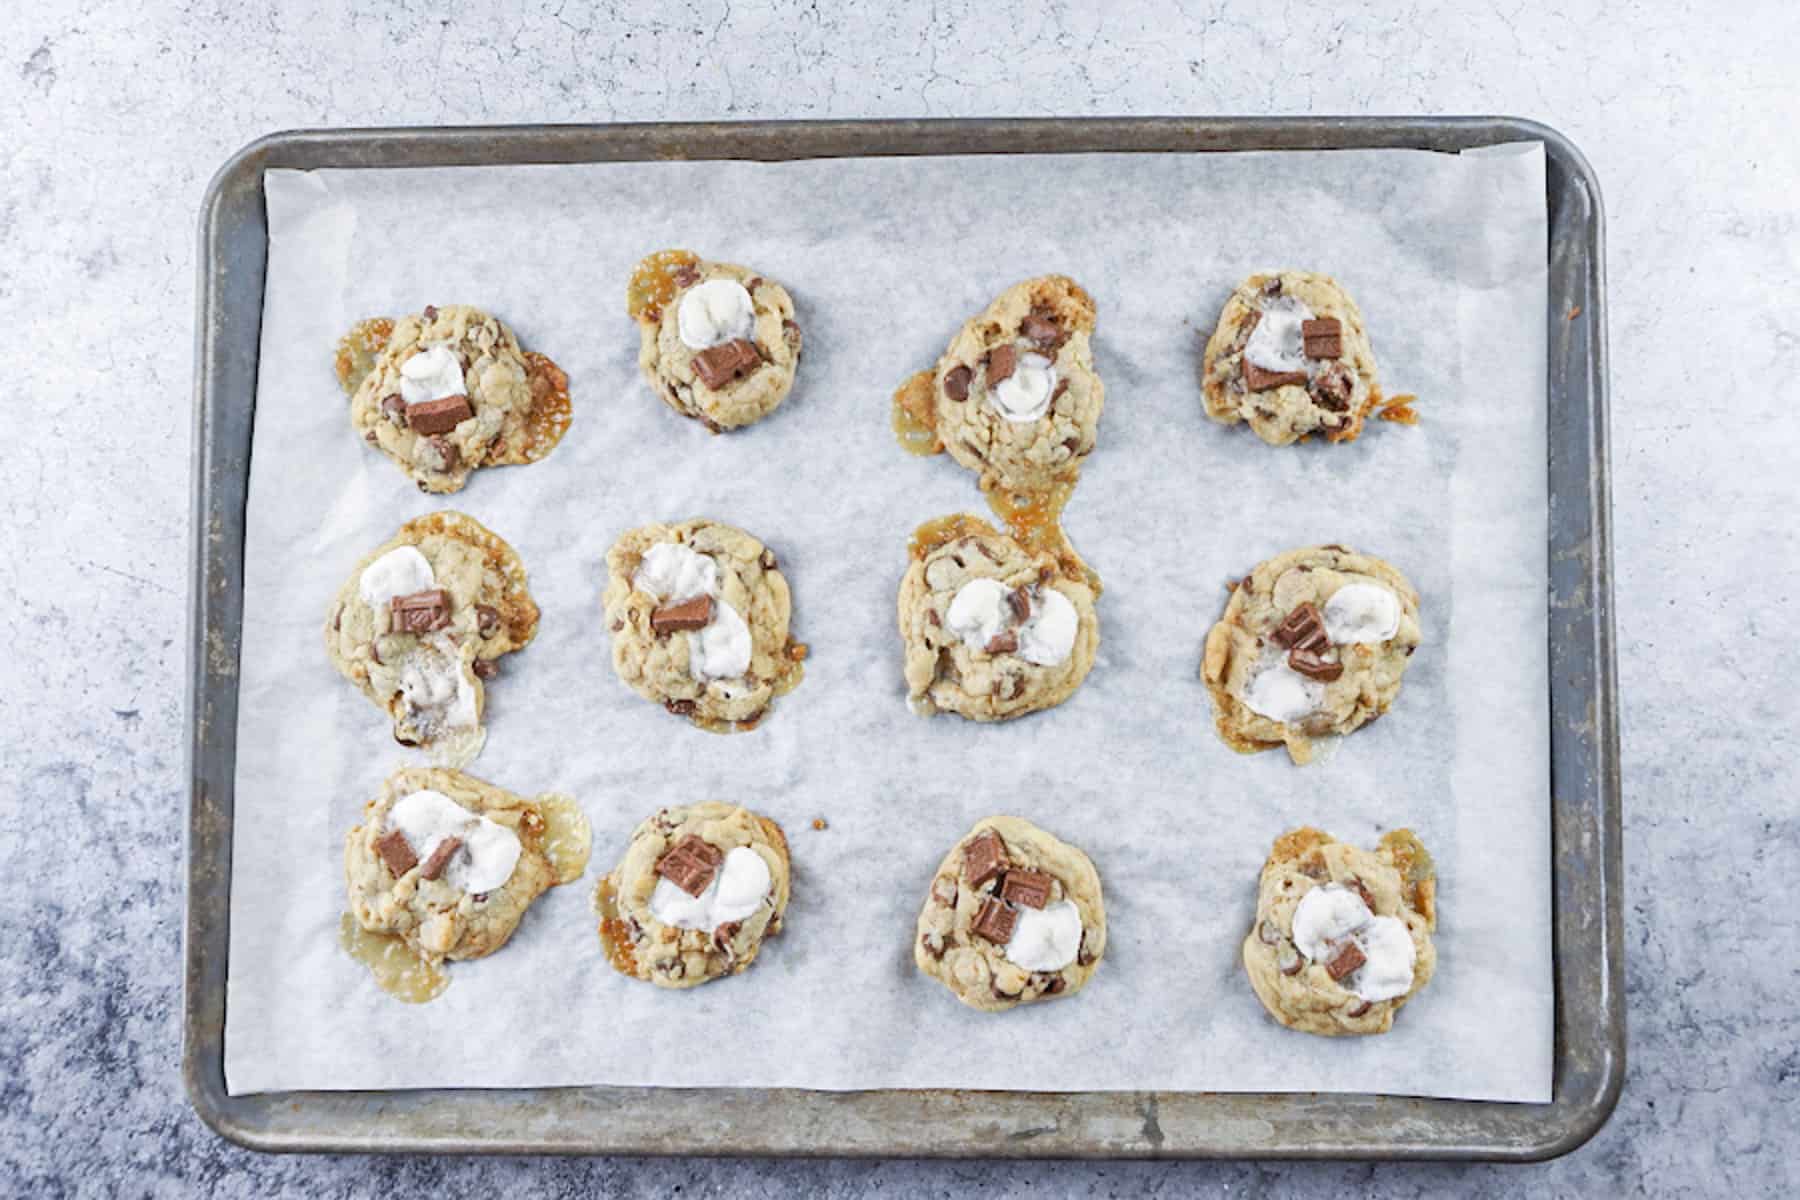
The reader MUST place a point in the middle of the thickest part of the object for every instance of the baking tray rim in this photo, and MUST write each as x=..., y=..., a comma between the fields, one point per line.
x=889, y=1122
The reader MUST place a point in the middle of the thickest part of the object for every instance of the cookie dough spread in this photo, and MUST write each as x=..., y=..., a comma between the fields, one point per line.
x=421, y=624
x=699, y=889
x=443, y=866
x=1342, y=936
x=449, y=390
x=717, y=342
x=1313, y=644
x=699, y=615
x=1015, y=915
x=1291, y=358
x=990, y=630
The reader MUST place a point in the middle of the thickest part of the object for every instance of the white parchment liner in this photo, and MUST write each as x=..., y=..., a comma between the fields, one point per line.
x=1446, y=256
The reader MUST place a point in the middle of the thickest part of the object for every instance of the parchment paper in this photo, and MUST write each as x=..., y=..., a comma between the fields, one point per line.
x=1446, y=256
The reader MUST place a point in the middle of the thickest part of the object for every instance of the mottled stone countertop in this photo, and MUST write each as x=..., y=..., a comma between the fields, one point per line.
x=117, y=115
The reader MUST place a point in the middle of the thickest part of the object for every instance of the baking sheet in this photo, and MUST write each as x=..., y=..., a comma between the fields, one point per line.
x=1446, y=257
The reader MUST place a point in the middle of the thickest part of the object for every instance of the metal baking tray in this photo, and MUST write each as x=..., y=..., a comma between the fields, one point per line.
x=1583, y=766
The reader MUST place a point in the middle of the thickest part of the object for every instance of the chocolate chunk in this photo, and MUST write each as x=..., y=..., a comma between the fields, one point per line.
x=1055, y=986
x=438, y=416
x=1245, y=328
x=447, y=453
x=984, y=856
x=1019, y=602
x=1357, y=886
x=1004, y=642
x=685, y=276
x=724, y=364
x=681, y=708
x=723, y=934
x=487, y=619
x=1272, y=286
x=1259, y=380
x=421, y=612
x=995, y=922
x=1314, y=665
x=396, y=852
x=1288, y=960
x=1268, y=932
x=1040, y=326
x=689, y=614
x=431, y=312
x=1349, y=956
x=440, y=858
x=1358, y=1009
x=1323, y=338
x=1030, y=888
x=394, y=409
x=1002, y=360
x=485, y=668
x=1333, y=388
x=932, y=944
x=1301, y=629
x=768, y=560
x=956, y=383
x=690, y=864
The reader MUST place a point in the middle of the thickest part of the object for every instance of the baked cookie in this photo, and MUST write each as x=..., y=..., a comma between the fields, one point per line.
x=699, y=888
x=448, y=864
x=1015, y=398
x=1342, y=937
x=699, y=616
x=1290, y=357
x=991, y=630
x=449, y=390
x=421, y=624
x=1313, y=643
x=1014, y=916
x=718, y=342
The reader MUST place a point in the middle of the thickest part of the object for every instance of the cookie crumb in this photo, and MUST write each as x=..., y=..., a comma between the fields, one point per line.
x=819, y=823
x=1574, y=312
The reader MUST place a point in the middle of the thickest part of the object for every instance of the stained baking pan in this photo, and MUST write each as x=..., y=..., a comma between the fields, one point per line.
x=1583, y=767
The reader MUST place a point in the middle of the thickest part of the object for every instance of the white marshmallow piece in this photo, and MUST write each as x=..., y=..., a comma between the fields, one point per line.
x=1361, y=612
x=436, y=688
x=673, y=573
x=1279, y=692
x=1325, y=915
x=722, y=649
x=402, y=571
x=1275, y=344
x=1388, y=949
x=737, y=889
x=715, y=312
x=1024, y=395
x=431, y=374
x=1046, y=939
x=1048, y=634
x=977, y=612
x=489, y=851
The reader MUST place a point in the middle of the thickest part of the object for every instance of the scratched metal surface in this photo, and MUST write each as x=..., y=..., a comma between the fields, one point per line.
x=1590, y=1032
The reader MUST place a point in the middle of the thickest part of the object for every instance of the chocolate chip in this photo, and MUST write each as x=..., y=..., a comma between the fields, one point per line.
x=724, y=364
x=1040, y=326
x=688, y=615
x=1055, y=986
x=1081, y=951
x=1002, y=361
x=1357, y=886
x=438, y=416
x=1288, y=960
x=690, y=864
x=431, y=312
x=1268, y=933
x=1018, y=602
x=1323, y=338
x=768, y=560
x=1333, y=388
x=1245, y=328
x=755, y=282
x=1314, y=665
x=1004, y=642
x=394, y=409
x=1259, y=380
x=447, y=453
x=995, y=922
x=1303, y=629
x=1030, y=888
x=1349, y=956
x=1358, y=1009
x=933, y=944
x=396, y=852
x=1272, y=286
x=956, y=383
x=440, y=858
x=681, y=708
x=487, y=619
x=984, y=856
x=685, y=276
x=421, y=612
x=485, y=668
x=723, y=934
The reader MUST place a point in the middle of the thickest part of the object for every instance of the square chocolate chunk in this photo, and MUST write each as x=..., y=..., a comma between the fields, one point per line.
x=1030, y=888
x=1323, y=338
x=1314, y=665
x=724, y=364
x=1259, y=380
x=690, y=864
x=688, y=615
x=995, y=922
x=440, y=858
x=1349, y=956
x=1001, y=362
x=396, y=852
x=1302, y=629
x=438, y=416
x=984, y=856
x=421, y=612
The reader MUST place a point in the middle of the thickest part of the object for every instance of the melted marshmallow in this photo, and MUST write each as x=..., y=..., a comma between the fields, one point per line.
x=1361, y=612
x=715, y=312
x=1327, y=915
x=402, y=571
x=439, y=695
x=1279, y=692
x=1275, y=344
x=1046, y=939
x=979, y=611
x=489, y=850
x=1048, y=634
x=1025, y=394
x=737, y=889
x=431, y=375
x=673, y=573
